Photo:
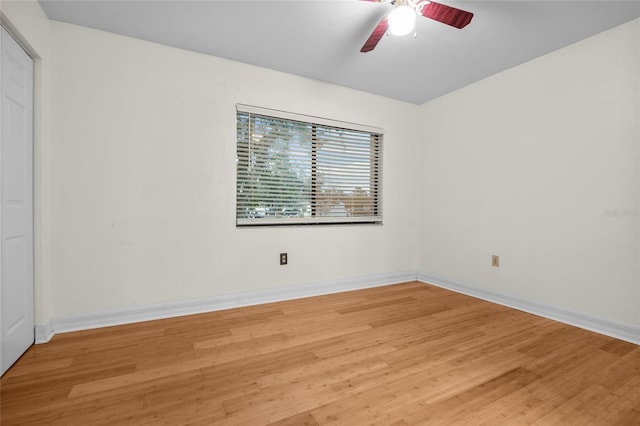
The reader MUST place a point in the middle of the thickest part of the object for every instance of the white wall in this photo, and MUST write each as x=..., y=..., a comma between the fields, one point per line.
x=532, y=165
x=143, y=178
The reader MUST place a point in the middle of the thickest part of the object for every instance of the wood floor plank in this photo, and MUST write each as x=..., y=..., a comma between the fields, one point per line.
x=303, y=419
x=406, y=354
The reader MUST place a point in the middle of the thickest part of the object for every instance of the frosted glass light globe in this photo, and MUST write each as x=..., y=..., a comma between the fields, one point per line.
x=402, y=20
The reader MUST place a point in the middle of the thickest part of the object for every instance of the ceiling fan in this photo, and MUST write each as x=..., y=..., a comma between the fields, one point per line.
x=401, y=20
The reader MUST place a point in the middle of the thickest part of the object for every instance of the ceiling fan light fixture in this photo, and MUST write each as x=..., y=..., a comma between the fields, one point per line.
x=402, y=20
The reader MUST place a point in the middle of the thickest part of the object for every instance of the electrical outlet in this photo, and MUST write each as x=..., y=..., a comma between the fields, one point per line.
x=283, y=258
x=495, y=260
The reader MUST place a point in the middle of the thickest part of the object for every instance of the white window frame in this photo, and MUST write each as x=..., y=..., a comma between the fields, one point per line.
x=311, y=216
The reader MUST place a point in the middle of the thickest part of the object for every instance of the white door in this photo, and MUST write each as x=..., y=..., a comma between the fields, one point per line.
x=16, y=199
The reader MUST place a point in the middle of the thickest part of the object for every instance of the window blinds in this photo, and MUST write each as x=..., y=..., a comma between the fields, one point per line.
x=294, y=169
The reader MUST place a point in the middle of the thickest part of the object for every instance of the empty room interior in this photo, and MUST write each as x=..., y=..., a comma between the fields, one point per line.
x=289, y=213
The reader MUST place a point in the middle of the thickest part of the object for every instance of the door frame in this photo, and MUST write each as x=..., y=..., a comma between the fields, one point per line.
x=35, y=41
x=15, y=34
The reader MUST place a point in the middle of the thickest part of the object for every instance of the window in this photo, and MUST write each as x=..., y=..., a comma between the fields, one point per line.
x=294, y=169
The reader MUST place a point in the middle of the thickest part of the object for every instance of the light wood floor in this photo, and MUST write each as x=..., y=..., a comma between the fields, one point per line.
x=407, y=354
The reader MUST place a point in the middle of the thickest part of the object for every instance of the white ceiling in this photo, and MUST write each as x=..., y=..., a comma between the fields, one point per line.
x=321, y=39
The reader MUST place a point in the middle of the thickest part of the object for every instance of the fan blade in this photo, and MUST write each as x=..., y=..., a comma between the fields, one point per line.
x=375, y=36
x=446, y=14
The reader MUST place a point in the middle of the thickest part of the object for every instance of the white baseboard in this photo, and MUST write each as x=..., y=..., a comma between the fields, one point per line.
x=625, y=332
x=173, y=309
x=44, y=333
x=216, y=303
